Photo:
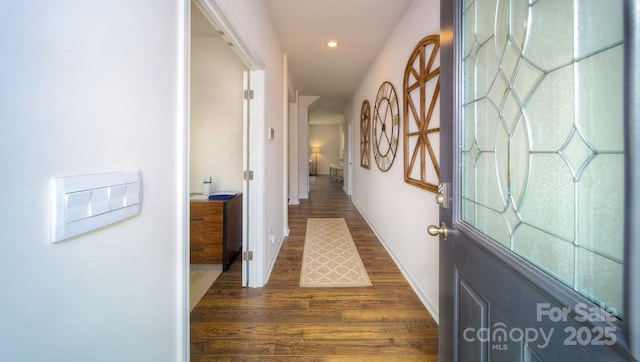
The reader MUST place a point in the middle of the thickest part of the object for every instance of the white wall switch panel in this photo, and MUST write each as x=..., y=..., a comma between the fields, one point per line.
x=85, y=203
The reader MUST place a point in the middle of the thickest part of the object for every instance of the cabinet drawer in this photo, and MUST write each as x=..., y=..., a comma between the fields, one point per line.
x=205, y=240
x=205, y=249
x=205, y=255
x=203, y=226
x=207, y=211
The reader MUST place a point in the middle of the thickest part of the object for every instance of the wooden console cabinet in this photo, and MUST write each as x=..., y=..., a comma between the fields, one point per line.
x=216, y=231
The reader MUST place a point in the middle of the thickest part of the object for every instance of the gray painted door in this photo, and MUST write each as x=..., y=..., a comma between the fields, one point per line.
x=538, y=123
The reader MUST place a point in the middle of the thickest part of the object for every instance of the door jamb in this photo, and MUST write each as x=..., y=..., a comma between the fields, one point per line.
x=215, y=12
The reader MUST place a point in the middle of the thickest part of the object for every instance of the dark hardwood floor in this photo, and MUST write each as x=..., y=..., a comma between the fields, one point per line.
x=283, y=322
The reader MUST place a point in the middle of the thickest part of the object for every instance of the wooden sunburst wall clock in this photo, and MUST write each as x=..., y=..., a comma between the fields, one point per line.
x=365, y=134
x=421, y=124
x=386, y=126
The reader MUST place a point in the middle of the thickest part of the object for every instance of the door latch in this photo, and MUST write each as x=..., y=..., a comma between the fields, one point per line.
x=442, y=197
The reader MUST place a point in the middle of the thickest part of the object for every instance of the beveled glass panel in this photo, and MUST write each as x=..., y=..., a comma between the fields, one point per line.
x=527, y=77
x=486, y=123
x=511, y=109
x=502, y=154
x=486, y=69
x=510, y=60
x=469, y=126
x=469, y=185
x=469, y=83
x=490, y=195
x=600, y=99
x=493, y=225
x=594, y=25
x=466, y=4
x=497, y=91
x=550, y=111
x=485, y=15
x=550, y=199
x=519, y=22
x=549, y=42
x=469, y=18
x=597, y=277
x=469, y=212
x=502, y=27
x=519, y=162
x=551, y=254
x=600, y=207
x=512, y=218
x=542, y=167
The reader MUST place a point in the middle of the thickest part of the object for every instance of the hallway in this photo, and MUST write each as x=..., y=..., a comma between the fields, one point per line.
x=282, y=321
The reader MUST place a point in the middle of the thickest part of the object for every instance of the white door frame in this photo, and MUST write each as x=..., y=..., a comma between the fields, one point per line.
x=216, y=13
x=253, y=216
x=182, y=114
x=348, y=175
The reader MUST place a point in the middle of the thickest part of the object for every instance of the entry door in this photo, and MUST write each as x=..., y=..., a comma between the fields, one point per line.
x=533, y=166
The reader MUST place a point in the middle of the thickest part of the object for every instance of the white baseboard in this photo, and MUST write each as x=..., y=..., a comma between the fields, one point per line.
x=273, y=262
x=425, y=301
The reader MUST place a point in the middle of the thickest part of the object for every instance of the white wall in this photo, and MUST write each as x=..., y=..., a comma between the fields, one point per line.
x=328, y=137
x=304, y=151
x=294, y=154
x=216, y=114
x=400, y=217
x=251, y=20
x=91, y=87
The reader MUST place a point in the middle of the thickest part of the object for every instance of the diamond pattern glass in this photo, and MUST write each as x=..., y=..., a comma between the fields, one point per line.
x=542, y=154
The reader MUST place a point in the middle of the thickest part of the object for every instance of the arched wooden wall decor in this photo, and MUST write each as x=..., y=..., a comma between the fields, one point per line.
x=365, y=134
x=421, y=125
x=386, y=126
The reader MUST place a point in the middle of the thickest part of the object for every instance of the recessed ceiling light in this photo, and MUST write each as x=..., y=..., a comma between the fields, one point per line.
x=332, y=43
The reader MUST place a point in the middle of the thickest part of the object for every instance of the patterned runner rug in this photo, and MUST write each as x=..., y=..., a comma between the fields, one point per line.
x=330, y=257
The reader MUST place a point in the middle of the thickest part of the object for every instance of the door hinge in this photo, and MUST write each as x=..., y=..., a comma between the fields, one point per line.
x=248, y=94
x=247, y=255
x=248, y=175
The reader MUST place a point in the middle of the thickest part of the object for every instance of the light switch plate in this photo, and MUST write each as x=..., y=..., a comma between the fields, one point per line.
x=88, y=202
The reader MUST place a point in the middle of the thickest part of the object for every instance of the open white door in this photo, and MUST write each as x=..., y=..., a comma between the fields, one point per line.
x=246, y=184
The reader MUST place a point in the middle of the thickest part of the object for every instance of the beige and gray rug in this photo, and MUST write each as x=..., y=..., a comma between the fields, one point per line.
x=201, y=277
x=330, y=257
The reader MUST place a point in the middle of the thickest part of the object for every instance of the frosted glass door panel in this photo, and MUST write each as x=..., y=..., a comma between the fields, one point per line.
x=542, y=137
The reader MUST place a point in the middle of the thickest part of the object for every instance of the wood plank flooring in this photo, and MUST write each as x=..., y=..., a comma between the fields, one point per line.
x=283, y=322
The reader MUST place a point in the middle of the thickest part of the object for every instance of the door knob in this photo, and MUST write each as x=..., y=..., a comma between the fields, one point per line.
x=441, y=231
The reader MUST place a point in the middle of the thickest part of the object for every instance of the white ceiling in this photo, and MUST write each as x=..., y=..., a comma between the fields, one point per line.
x=361, y=26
